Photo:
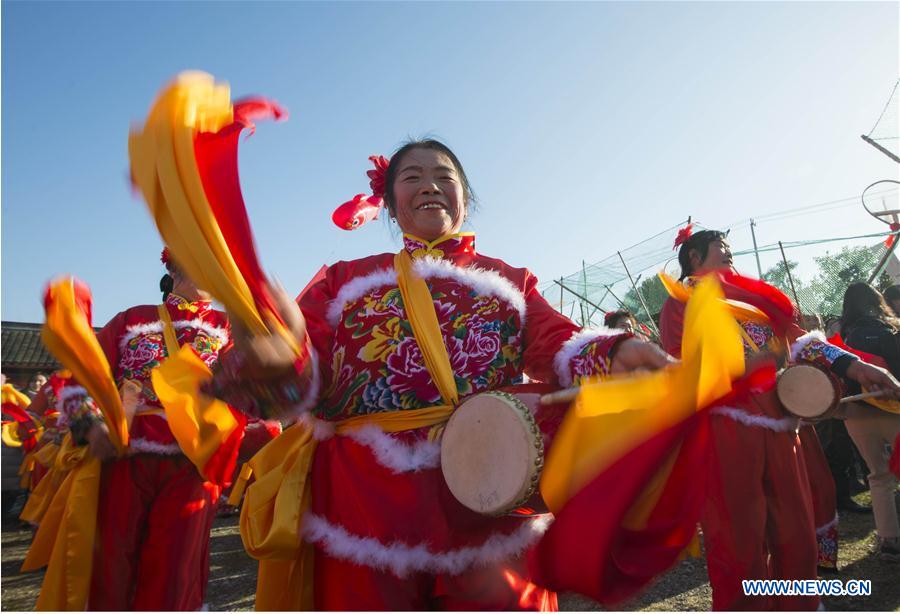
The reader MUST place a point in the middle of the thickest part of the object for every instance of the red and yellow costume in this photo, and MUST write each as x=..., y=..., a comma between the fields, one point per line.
x=760, y=520
x=21, y=429
x=387, y=532
x=155, y=510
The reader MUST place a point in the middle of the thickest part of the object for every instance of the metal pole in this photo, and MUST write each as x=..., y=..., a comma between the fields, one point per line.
x=584, y=280
x=790, y=277
x=755, y=248
x=640, y=296
x=571, y=291
x=884, y=259
x=879, y=148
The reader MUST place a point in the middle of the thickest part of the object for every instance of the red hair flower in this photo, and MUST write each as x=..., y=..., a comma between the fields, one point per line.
x=376, y=175
x=683, y=235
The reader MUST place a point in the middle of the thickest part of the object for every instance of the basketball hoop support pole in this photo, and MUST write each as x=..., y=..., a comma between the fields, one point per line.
x=880, y=148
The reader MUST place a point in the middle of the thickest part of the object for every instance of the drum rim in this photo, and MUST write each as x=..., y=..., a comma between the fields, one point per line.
x=532, y=425
x=834, y=386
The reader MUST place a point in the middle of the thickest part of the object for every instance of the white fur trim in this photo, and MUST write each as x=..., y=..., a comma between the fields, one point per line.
x=804, y=340
x=397, y=456
x=402, y=559
x=827, y=526
x=780, y=425
x=483, y=281
x=573, y=346
x=153, y=447
x=321, y=429
x=356, y=288
x=148, y=328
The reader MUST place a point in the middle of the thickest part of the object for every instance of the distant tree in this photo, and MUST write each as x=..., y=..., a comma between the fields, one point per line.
x=837, y=271
x=654, y=294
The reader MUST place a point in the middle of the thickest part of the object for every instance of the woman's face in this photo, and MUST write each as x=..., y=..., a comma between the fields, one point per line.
x=717, y=258
x=429, y=200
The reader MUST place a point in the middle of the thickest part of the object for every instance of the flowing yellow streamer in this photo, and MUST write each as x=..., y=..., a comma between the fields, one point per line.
x=164, y=166
x=40, y=498
x=65, y=538
x=611, y=417
x=9, y=394
x=69, y=337
x=200, y=423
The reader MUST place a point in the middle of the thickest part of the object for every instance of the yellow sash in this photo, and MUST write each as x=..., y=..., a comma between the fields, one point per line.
x=40, y=498
x=65, y=538
x=200, y=423
x=275, y=503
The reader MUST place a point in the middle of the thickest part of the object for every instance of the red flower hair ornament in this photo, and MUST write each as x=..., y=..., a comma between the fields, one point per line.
x=166, y=258
x=683, y=235
x=364, y=208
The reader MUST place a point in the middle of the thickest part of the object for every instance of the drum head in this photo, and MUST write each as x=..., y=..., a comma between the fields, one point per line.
x=806, y=391
x=491, y=453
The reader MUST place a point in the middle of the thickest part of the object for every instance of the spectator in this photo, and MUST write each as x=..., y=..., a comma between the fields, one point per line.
x=621, y=319
x=35, y=384
x=869, y=325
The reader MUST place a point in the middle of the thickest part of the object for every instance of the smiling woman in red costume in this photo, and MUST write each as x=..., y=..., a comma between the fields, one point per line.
x=387, y=533
x=759, y=518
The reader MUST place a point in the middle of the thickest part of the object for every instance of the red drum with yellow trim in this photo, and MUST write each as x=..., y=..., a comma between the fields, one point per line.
x=809, y=391
x=492, y=450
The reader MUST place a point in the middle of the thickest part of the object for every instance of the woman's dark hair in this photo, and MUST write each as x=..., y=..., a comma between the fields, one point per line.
x=700, y=241
x=391, y=174
x=613, y=318
x=862, y=300
x=166, y=285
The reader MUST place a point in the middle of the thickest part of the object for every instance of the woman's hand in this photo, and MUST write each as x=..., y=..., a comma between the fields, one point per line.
x=99, y=443
x=268, y=355
x=871, y=378
x=633, y=354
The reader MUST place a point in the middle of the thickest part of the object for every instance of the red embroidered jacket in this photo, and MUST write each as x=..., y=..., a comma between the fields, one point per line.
x=133, y=344
x=363, y=357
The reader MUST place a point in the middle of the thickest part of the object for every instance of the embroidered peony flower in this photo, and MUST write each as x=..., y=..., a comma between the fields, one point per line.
x=407, y=372
x=384, y=340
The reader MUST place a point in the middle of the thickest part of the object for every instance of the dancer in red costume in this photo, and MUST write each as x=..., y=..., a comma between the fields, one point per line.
x=155, y=510
x=387, y=533
x=759, y=519
x=45, y=406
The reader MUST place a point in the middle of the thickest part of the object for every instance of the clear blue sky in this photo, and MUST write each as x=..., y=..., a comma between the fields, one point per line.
x=583, y=127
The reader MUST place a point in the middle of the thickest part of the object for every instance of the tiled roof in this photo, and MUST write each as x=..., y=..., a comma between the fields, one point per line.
x=22, y=347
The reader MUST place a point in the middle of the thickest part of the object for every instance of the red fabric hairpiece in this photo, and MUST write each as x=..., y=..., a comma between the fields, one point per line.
x=363, y=208
x=683, y=235
x=165, y=257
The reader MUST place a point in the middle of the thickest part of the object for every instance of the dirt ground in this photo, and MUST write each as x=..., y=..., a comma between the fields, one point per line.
x=233, y=574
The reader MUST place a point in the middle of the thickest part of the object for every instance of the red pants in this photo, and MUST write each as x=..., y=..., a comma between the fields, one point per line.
x=153, y=524
x=342, y=585
x=758, y=521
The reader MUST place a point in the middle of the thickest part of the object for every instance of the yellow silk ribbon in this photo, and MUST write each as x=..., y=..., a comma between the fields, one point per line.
x=40, y=498
x=11, y=435
x=164, y=166
x=200, y=423
x=65, y=538
x=611, y=417
x=9, y=394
